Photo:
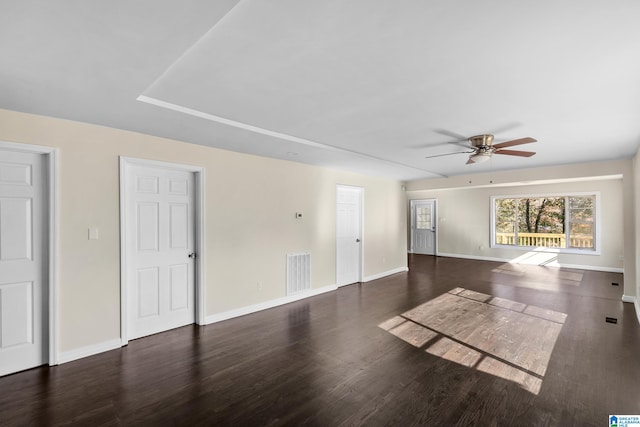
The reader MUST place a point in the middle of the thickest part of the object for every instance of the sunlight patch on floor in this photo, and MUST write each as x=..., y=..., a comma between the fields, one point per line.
x=521, y=266
x=501, y=337
x=537, y=256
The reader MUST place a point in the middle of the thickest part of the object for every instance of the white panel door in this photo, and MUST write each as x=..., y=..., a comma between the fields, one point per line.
x=23, y=262
x=160, y=248
x=348, y=235
x=423, y=227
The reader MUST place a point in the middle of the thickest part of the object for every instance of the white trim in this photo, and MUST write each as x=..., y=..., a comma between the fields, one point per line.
x=123, y=254
x=51, y=154
x=555, y=264
x=385, y=274
x=474, y=257
x=589, y=267
x=201, y=306
x=251, y=128
x=200, y=314
x=225, y=315
x=628, y=298
x=362, y=241
x=27, y=148
x=90, y=350
x=633, y=300
x=53, y=258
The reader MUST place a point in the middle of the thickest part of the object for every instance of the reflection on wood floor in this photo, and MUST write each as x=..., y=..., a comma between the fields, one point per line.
x=481, y=343
x=498, y=336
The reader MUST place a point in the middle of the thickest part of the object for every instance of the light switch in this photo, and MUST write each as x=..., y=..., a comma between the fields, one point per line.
x=94, y=233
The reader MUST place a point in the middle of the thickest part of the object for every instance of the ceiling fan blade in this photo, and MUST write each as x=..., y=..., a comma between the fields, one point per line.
x=421, y=146
x=464, y=143
x=515, y=153
x=450, y=134
x=514, y=142
x=448, y=154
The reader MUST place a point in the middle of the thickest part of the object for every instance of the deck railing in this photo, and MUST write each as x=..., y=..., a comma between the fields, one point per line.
x=545, y=240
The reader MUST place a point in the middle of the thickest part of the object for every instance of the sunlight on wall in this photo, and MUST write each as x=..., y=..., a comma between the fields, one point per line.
x=497, y=336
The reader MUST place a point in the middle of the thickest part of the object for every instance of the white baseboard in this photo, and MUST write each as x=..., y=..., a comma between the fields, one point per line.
x=554, y=264
x=589, y=267
x=218, y=317
x=385, y=274
x=475, y=257
x=90, y=350
x=627, y=298
x=635, y=302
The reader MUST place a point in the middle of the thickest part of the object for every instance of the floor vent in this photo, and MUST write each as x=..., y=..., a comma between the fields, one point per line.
x=298, y=272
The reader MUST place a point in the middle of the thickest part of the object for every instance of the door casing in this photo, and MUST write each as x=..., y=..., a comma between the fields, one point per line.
x=125, y=163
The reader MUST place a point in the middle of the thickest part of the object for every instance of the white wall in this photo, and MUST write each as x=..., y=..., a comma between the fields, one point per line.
x=464, y=214
x=250, y=221
x=464, y=220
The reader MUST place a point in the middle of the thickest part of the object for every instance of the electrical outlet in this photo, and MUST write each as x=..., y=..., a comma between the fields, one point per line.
x=259, y=286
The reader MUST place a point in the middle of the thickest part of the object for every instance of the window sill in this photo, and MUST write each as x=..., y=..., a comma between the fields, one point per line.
x=572, y=251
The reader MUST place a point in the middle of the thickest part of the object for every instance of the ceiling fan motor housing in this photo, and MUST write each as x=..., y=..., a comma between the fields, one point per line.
x=485, y=140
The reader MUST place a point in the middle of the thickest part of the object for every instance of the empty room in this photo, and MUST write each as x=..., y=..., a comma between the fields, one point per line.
x=319, y=213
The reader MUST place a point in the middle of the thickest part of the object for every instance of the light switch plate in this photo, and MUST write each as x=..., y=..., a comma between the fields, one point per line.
x=94, y=233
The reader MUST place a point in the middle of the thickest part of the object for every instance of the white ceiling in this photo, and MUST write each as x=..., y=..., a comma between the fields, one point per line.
x=372, y=86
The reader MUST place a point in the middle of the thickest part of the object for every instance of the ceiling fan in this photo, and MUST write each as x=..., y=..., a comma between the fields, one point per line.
x=482, y=148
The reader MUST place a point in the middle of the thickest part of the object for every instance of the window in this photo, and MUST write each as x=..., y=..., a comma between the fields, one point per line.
x=561, y=222
x=423, y=218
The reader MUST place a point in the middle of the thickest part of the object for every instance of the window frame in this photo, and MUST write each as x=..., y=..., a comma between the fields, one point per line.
x=596, y=223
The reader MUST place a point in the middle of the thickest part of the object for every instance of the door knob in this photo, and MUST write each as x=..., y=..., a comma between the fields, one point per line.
x=192, y=255
x=357, y=240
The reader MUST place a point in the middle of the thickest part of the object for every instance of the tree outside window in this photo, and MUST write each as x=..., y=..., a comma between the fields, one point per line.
x=552, y=222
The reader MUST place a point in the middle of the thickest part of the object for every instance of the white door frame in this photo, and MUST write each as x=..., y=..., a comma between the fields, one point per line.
x=51, y=175
x=125, y=163
x=435, y=222
x=361, y=260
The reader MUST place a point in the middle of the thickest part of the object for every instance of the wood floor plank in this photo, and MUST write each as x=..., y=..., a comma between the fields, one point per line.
x=451, y=342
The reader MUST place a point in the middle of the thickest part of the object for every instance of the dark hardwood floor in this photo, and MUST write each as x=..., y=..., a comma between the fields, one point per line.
x=338, y=359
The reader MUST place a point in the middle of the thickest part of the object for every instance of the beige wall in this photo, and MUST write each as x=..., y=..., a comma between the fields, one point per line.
x=250, y=221
x=464, y=211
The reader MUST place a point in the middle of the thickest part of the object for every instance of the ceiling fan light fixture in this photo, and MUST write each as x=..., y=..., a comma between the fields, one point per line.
x=479, y=157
